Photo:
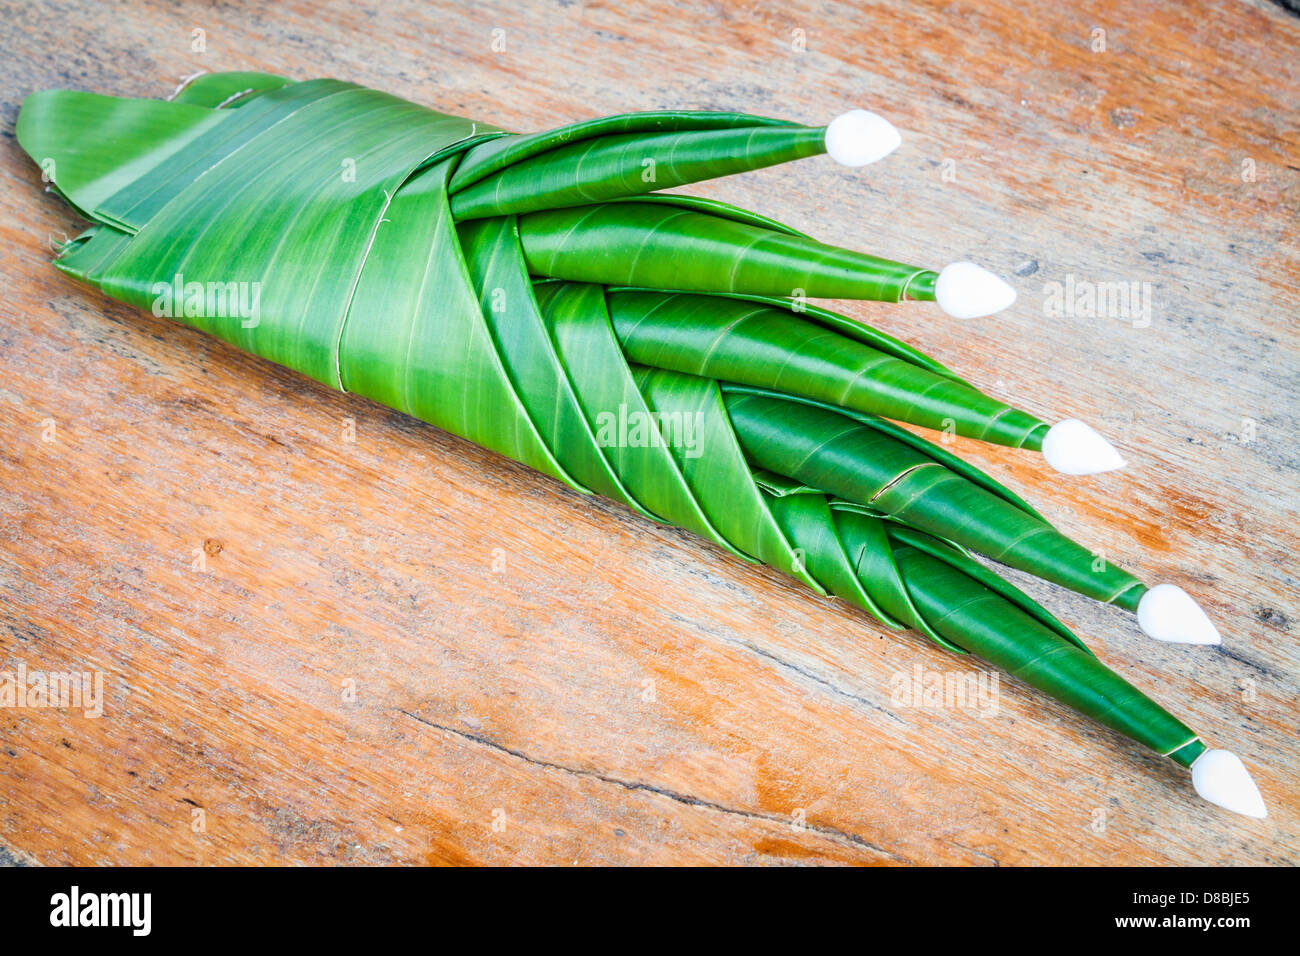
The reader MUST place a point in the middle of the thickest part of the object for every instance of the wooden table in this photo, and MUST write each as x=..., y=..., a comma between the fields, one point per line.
x=403, y=649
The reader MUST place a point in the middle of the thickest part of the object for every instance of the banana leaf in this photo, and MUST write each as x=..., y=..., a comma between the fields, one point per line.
x=1008, y=636
x=912, y=579
x=226, y=90
x=852, y=459
x=662, y=246
x=769, y=347
x=607, y=166
x=519, y=291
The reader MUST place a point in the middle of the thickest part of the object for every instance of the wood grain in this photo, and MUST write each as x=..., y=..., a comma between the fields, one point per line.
x=404, y=649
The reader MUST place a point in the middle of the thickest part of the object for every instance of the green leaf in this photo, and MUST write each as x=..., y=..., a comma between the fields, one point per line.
x=227, y=90
x=513, y=150
x=139, y=201
x=522, y=338
x=298, y=230
x=371, y=230
x=91, y=146
x=615, y=166
x=858, y=331
x=416, y=338
x=759, y=345
x=811, y=527
x=947, y=552
x=927, y=448
x=693, y=423
x=580, y=329
x=655, y=245
x=866, y=465
x=1002, y=633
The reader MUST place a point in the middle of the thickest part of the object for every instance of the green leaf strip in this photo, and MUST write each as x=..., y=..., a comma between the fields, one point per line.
x=860, y=462
x=516, y=150
x=764, y=346
x=1000, y=631
x=226, y=90
x=616, y=166
x=659, y=246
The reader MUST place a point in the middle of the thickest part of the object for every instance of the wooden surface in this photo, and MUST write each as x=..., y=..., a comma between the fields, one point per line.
x=404, y=649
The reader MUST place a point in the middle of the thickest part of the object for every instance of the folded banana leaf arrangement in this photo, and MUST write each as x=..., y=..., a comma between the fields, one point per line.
x=538, y=295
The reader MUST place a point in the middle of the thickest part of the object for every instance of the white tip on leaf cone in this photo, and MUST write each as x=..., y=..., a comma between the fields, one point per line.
x=857, y=138
x=967, y=291
x=1072, y=447
x=1168, y=613
x=1221, y=778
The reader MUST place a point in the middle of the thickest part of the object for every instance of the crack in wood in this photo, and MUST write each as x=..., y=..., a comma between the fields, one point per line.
x=830, y=833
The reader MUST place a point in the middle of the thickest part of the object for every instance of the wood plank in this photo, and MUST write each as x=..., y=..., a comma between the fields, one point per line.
x=602, y=689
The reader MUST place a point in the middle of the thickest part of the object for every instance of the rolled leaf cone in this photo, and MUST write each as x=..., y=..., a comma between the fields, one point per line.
x=810, y=353
x=1010, y=636
x=613, y=164
x=640, y=242
x=909, y=578
x=857, y=460
x=328, y=214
